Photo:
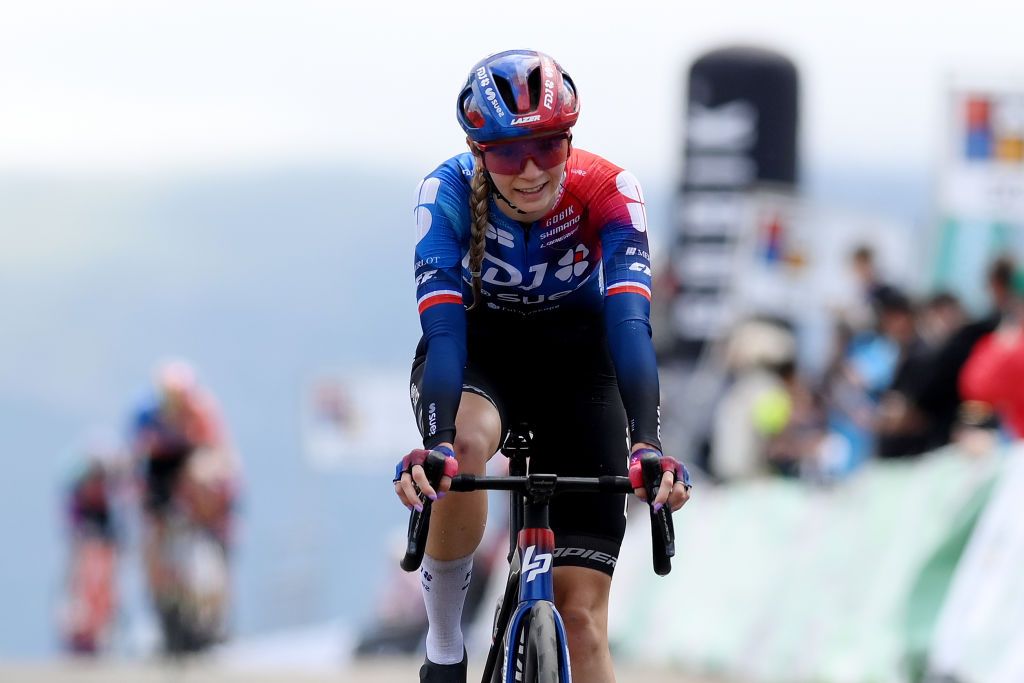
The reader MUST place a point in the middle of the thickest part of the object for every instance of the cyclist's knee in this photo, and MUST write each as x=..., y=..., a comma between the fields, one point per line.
x=474, y=446
x=586, y=631
x=477, y=431
x=581, y=596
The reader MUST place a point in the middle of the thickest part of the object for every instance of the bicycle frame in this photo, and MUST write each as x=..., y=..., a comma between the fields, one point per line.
x=531, y=553
x=532, y=543
x=534, y=578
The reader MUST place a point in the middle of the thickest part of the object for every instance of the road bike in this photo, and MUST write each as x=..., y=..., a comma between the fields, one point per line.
x=528, y=636
x=192, y=609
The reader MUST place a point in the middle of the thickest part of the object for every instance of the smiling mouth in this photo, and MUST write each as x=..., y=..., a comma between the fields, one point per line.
x=532, y=191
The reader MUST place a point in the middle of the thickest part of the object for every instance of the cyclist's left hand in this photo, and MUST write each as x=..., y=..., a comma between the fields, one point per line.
x=675, y=479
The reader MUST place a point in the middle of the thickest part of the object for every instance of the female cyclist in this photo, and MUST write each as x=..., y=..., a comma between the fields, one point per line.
x=533, y=283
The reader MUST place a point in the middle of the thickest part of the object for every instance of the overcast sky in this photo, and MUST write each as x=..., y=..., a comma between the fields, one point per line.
x=143, y=86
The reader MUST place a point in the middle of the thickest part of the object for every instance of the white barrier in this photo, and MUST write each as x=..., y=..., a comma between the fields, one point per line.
x=980, y=634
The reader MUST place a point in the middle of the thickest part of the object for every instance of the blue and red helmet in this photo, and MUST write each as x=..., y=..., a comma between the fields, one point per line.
x=514, y=94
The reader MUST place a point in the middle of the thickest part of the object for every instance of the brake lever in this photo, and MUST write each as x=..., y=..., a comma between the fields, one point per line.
x=419, y=522
x=663, y=546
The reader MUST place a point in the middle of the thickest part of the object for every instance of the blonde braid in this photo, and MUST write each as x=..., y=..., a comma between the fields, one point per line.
x=478, y=198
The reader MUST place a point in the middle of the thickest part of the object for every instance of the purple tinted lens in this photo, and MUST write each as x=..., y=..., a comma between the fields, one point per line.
x=509, y=158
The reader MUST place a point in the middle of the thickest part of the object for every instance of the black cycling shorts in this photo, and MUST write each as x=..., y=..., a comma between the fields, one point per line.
x=162, y=473
x=559, y=380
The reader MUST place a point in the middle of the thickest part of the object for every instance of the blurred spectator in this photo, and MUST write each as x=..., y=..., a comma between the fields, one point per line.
x=994, y=372
x=89, y=605
x=400, y=619
x=1001, y=282
x=941, y=317
x=862, y=371
x=797, y=449
x=901, y=428
x=938, y=394
x=860, y=316
x=756, y=407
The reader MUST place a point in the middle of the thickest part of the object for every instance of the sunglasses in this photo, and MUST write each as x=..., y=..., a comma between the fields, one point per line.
x=509, y=158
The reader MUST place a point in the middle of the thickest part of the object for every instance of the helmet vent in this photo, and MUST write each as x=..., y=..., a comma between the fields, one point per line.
x=570, y=92
x=533, y=85
x=505, y=90
x=469, y=109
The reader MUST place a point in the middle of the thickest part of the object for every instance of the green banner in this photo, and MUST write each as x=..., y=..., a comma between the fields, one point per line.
x=979, y=637
x=778, y=581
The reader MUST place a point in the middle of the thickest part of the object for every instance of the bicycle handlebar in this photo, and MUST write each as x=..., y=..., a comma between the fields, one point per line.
x=605, y=484
x=662, y=530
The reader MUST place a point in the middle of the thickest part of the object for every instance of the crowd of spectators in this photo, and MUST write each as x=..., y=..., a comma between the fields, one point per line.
x=906, y=376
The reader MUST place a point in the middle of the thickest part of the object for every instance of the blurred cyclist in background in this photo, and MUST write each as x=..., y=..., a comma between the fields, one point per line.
x=88, y=610
x=190, y=473
x=546, y=245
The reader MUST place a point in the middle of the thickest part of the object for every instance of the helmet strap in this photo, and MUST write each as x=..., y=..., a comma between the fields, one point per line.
x=499, y=195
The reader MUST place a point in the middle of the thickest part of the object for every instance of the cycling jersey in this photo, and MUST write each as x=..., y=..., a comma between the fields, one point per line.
x=586, y=259
x=196, y=425
x=163, y=442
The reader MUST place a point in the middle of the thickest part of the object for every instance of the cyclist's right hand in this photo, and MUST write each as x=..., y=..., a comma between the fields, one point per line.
x=409, y=476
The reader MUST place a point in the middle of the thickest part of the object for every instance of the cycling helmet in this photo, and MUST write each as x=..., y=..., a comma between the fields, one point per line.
x=175, y=377
x=517, y=93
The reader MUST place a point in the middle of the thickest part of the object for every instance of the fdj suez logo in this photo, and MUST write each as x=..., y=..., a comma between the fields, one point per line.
x=492, y=97
x=574, y=262
x=549, y=87
x=533, y=565
x=432, y=419
x=503, y=274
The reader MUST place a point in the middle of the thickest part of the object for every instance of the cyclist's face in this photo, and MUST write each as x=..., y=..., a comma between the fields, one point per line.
x=172, y=401
x=534, y=190
x=527, y=172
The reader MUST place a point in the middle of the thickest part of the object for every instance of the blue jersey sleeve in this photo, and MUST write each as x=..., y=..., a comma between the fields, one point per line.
x=442, y=220
x=627, y=306
x=144, y=418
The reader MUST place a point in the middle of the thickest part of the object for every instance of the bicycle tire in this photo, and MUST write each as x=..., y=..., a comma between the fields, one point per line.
x=497, y=671
x=543, y=650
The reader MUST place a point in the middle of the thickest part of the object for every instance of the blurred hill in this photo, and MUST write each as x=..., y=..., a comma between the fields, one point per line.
x=261, y=279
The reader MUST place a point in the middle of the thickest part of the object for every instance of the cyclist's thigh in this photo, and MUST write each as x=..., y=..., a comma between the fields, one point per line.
x=583, y=434
x=161, y=478
x=479, y=423
x=477, y=432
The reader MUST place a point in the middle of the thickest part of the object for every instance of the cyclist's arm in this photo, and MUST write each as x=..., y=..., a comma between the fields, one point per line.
x=627, y=307
x=440, y=209
x=205, y=426
x=143, y=434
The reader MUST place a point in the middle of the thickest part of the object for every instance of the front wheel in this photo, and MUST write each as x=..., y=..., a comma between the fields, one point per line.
x=543, y=650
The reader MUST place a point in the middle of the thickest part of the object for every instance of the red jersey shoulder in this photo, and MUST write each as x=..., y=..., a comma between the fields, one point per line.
x=588, y=174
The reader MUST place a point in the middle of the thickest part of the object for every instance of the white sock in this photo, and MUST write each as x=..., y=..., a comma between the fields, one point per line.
x=444, y=592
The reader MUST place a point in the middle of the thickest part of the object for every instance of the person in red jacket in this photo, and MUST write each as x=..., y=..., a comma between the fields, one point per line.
x=994, y=373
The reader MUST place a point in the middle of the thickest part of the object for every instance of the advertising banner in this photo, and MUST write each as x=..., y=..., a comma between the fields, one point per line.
x=741, y=133
x=357, y=419
x=981, y=195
